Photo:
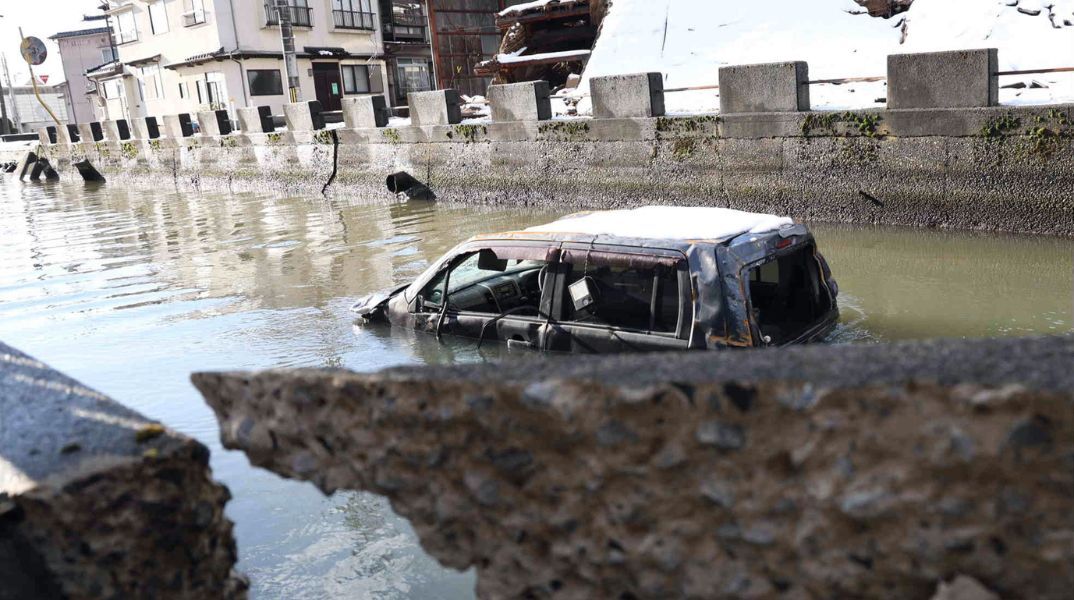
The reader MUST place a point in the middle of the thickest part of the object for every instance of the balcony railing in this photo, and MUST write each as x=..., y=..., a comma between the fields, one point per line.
x=301, y=16
x=352, y=19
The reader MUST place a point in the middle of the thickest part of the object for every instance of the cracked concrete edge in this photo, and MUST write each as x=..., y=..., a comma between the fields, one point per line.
x=98, y=501
x=815, y=472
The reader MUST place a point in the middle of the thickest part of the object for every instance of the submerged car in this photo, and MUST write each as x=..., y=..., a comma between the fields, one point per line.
x=644, y=279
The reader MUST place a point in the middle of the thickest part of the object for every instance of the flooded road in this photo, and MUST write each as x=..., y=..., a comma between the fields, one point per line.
x=131, y=291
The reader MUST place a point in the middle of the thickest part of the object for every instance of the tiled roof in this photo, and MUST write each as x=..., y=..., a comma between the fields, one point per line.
x=78, y=33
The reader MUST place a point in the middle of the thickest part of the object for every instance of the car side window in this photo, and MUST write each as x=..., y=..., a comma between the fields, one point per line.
x=482, y=283
x=638, y=298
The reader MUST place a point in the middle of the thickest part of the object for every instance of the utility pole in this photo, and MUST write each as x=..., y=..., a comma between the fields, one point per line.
x=16, y=121
x=290, y=62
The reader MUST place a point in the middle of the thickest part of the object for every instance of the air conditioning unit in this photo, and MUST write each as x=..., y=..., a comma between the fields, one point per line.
x=193, y=17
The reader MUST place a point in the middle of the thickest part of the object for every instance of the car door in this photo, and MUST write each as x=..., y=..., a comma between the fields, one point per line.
x=641, y=300
x=493, y=294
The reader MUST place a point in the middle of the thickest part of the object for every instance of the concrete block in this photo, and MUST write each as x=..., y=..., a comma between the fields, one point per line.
x=178, y=126
x=256, y=119
x=43, y=137
x=62, y=135
x=957, y=79
x=440, y=107
x=214, y=122
x=769, y=87
x=637, y=95
x=141, y=130
x=528, y=101
x=97, y=501
x=365, y=112
x=303, y=116
x=85, y=134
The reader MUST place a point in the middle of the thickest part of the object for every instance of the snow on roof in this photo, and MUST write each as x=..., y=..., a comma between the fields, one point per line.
x=688, y=40
x=666, y=223
x=564, y=55
x=527, y=6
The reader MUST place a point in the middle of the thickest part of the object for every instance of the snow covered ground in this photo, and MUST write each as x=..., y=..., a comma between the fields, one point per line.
x=688, y=40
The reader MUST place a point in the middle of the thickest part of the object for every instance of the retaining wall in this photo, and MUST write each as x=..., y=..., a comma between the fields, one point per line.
x=950, y=158
x=812, y=472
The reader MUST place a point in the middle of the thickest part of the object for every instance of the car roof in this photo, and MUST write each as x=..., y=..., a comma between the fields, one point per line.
x=672, y=223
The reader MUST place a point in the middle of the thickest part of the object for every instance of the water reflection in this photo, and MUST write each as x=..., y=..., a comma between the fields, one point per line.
x=131, y=291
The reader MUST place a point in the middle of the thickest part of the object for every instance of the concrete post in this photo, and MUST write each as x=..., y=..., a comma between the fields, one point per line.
x=761, y=88
x=303, y=116
x=440, y=107
x=958, y=79
x=627, y=96
x=62, y=134
x=256, y=119
x=43, y=137
x=365, y=112
x=528, y=101
x=178, y=126
x=214, y=122
x=85, y=134
x=141, y=132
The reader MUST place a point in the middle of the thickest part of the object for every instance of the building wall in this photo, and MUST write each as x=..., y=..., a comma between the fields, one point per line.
x=80, y=53
x=160, y=86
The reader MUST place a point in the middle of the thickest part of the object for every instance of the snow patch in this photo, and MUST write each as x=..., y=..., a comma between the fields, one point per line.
x=520, y=8
x=667, y=223
x=688, y=40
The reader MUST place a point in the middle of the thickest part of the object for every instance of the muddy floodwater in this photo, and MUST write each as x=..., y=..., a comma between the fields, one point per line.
x=130, y=291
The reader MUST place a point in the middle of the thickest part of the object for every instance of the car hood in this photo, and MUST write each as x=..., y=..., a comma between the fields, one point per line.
x=369, y=305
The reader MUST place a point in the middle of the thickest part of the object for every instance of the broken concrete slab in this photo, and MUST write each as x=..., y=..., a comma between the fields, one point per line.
x=96, y=501
x=823, y=471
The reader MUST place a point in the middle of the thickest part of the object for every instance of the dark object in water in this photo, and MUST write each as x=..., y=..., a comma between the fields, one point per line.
x=88, y=172
x=405, y=183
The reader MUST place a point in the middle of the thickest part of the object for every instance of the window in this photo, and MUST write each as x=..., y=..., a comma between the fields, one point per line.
x=485, y=284
x=301, y=14
x=194, y=12
x=183, y=90
x=265, y=82
x=107, y=55
x=152, y=81
x=113, y=88
x=412, y=75
x=787, y=296
x=408, y=20
x=125, y=28
x=638, y=298
x=353, y=14
x=355, y=79
x=158, y=17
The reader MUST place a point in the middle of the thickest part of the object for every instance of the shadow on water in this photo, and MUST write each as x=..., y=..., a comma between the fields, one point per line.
x=131, y=291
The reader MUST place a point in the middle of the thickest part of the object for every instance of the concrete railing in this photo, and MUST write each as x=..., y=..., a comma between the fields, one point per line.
x=96, y=501
x=930, y=81
x=877, y=471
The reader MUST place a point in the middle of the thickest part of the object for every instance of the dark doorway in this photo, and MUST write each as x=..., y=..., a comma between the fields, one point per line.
x=327, y=84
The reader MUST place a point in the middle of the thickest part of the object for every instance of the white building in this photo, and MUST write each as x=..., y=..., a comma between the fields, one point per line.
x=187, y=55
x=82, y=51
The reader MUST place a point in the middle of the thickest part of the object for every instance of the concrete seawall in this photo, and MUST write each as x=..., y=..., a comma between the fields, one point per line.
x=983, y=168
x=813, y=472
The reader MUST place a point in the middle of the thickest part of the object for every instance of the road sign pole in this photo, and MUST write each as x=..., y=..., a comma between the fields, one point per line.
x=26, y=43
